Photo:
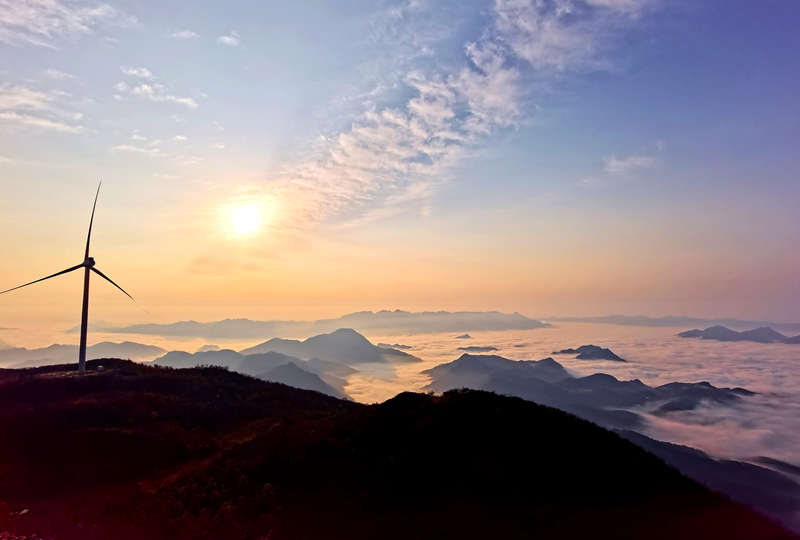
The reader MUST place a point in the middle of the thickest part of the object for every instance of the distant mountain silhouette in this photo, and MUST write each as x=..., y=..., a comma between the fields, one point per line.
x=315, y=365
x=464, y=336
x=208, y=347
x=472, y=371
x=59, y=354
x=759, y=335
x=397, y=346
x=679, y=321
x=265, y=366
x=139, y=452
x=292, y=375
x=4, y=345
x=397, y=321
x=255, y=364
x=478, y=349
x=344, y=346
x=592, y=352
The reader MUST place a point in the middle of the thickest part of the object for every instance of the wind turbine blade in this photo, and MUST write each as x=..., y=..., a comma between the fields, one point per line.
x=89, y=237
x=102, y=275
x=44, y=278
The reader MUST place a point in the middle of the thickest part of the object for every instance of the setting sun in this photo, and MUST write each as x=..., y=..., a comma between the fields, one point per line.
x=245, y=219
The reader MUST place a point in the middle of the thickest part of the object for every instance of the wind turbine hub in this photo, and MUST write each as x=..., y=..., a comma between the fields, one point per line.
x=89, y=262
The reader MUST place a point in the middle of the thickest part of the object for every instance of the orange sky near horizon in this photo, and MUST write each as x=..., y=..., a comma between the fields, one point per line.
x=200, y=268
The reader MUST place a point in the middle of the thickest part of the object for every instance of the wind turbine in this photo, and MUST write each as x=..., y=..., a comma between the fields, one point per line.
x=88, y=265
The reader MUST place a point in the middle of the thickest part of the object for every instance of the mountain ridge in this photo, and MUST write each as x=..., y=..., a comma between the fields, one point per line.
x=397, y=321
x=59, y=353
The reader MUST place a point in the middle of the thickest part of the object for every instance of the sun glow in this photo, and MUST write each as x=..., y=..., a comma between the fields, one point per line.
x=245, y=219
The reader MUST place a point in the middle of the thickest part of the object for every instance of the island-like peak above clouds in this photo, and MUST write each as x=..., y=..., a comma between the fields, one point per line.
x=759, y=335
x=592, y=352
x=679, y=321
x=390, y=322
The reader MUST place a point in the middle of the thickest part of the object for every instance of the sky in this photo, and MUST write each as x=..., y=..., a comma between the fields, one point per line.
x=551, y=157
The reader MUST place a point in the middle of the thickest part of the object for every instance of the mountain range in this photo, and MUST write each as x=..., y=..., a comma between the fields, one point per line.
x=678, y=321
x=18, y=357
x=137, y=451
x=317, y=363
x=759, y=335
x=600, y=397
x=389, y=322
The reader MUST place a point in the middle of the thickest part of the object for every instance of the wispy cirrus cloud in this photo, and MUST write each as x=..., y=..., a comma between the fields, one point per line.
x=142, y=73
x=390, y=153
x=24, y=107
x=183, y=34
x=233, y=39
x=158, y=93
x=151, y=90
x=628, y=164
x=41, y=22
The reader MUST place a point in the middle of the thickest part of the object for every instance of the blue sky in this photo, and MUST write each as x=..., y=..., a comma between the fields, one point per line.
x=561, y=157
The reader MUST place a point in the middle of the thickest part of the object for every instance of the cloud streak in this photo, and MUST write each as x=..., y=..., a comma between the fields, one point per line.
x=183, y=34
x=142, y=73
x=626, y=165
x=127, y=148
x=151, y=90
x=157, y=93
x=58, y=75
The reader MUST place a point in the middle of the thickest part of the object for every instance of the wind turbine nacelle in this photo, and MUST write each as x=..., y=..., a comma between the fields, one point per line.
x=89, y=262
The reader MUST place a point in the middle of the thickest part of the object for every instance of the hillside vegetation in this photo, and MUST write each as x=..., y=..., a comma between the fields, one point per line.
x=144, y=452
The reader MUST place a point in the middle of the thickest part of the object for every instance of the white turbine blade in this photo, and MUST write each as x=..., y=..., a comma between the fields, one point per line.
x=102, y=275
x=89, y=237
x=44, y=278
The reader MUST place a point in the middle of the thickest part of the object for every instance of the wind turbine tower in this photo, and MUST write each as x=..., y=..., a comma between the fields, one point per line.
x=88, y=265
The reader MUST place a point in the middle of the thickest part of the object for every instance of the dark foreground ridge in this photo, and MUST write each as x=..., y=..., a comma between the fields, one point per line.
x=140, y=452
